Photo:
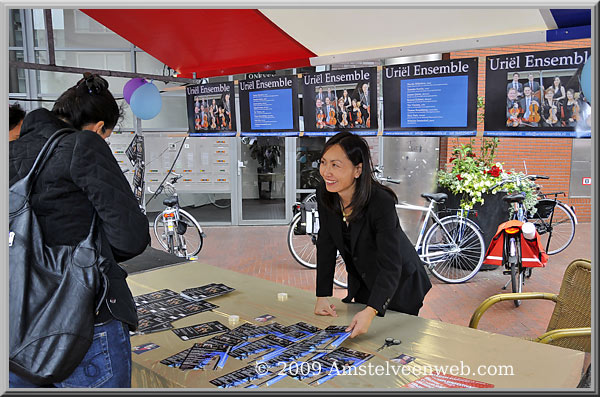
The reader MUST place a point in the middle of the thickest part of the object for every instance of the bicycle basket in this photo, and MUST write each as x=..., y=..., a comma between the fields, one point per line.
x=544, y=209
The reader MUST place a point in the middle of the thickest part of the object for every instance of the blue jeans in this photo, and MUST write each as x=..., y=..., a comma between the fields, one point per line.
x=107, y=363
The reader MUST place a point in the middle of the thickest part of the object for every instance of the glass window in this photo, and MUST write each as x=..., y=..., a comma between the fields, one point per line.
x=54, y=82
x=81, y=31
x=173, y=113
x=16, y=77
x=145, y=63
x=308, y=150
x=15, y=33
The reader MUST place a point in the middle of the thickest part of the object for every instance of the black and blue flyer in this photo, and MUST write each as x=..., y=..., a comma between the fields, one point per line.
x=436, y=98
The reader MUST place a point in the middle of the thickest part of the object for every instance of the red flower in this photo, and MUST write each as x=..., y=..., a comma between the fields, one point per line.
x=452, y=159
x=471, y=154
x=459, y=177
x=495, y=172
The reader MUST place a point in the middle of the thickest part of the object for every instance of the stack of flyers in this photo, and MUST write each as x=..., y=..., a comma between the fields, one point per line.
x=154, y=296
x=335, y=363
x=246, y=331
x=206, y=291
x=226, y=339
x=150, y=324
x=176, y=359
x=238, y=377
x=200, y=330
x=269, y=342
x=202, y=355
x=188, y=309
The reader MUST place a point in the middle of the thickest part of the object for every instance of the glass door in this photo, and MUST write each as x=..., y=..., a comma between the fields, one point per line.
x=262, y=180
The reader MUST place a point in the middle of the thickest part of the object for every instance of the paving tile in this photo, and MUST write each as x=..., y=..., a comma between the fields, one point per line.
x=262, y=251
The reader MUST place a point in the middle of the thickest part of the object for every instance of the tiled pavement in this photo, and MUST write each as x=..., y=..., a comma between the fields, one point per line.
x=262, y=251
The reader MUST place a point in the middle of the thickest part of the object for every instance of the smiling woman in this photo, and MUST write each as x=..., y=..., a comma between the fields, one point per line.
x=357, y=217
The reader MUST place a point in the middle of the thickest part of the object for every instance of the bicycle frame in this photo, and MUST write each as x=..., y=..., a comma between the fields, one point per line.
x=429, y=214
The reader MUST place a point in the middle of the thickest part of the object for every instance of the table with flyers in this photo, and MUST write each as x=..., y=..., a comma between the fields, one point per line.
x=284, y=345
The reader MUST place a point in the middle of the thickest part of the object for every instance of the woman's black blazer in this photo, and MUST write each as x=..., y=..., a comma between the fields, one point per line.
x=384, y=257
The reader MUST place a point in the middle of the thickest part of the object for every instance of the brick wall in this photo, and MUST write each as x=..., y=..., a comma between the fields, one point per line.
x=543, y=156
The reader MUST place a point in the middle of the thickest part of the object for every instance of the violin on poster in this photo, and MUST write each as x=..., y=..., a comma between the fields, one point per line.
x=552, y=119
x=533, y=115
x=332, y=119
x=513, y=120
x=344, y=121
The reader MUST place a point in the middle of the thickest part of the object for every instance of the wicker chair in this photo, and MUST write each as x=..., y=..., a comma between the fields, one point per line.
x=569, y=325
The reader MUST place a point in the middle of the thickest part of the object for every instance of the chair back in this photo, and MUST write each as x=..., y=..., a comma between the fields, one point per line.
x=573, y=308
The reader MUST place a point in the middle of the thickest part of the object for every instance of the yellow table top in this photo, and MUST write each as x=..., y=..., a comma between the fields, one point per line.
x=503, y=361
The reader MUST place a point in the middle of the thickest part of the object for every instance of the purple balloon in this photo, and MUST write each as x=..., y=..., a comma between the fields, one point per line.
x=131, y=86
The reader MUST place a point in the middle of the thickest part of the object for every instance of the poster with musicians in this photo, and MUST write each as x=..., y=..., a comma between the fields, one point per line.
x=340, y=100
x=269, y=106
x=211, y=109
x=537, y=94
x=437, y=98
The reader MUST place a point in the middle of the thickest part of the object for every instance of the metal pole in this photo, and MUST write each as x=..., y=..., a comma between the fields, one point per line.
x=49, y=36
x=111, y=73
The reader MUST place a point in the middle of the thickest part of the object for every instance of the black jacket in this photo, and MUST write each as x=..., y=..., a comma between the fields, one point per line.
x=393, y=276
x=82, y=176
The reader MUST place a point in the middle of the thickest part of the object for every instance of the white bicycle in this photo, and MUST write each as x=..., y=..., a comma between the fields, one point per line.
x=176, y=230
x=451, y=247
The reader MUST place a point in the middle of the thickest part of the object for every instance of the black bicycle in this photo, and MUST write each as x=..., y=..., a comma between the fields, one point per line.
x=554, y=220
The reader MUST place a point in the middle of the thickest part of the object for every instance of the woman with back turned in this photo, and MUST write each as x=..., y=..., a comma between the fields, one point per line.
x=357, y=217
x=81, y=178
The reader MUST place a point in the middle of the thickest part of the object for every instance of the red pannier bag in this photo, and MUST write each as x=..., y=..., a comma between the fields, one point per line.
x=532, y=251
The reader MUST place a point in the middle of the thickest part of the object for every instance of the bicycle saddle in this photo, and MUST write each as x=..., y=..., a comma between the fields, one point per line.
x=437, y=197
x=171, y=201
x=514, y=198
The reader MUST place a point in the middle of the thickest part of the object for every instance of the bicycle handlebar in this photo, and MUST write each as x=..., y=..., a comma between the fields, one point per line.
x=389, y=179
x=517, y=179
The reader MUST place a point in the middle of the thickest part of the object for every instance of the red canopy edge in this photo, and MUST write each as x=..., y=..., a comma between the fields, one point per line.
x=209, y=42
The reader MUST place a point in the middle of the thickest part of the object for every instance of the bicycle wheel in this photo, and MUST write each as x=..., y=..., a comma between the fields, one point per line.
x=340, y=277
x=186, y=241
x=302, y=245
x=556, y=225
x=453, y=249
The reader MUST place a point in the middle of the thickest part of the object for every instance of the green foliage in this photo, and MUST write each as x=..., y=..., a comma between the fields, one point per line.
x=471, y=176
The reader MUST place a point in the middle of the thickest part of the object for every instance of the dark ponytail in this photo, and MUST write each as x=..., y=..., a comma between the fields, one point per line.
x=88, y=101
x=357, y=150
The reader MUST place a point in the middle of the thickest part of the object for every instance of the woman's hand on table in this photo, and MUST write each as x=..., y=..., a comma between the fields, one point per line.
x=361, y=322
x=324, y=308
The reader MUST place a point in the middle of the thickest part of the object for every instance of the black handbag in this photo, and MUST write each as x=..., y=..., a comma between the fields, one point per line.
x=54, y=292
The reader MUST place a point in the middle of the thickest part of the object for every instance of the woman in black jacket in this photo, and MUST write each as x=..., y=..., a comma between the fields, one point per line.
x=82, y=176
x=357, y=217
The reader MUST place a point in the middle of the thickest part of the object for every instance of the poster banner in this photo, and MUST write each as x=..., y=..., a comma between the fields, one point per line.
x=135, y=154
x=340, y=100
x=537, y=94
x=211, y=109
x=269, y=106
x=436, y=98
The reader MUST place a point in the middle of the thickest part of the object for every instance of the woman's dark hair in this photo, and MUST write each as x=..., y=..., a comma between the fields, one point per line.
x=357, y=150
x=15, y=115
x=88, y=101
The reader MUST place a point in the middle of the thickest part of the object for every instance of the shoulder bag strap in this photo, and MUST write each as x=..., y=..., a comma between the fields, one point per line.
x=44, y=155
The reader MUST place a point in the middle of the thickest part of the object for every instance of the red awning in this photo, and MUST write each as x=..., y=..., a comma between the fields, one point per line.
x=215, y=42
x=210, y=42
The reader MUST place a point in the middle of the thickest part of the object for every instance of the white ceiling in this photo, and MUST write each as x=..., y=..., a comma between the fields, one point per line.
x=337, y=31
